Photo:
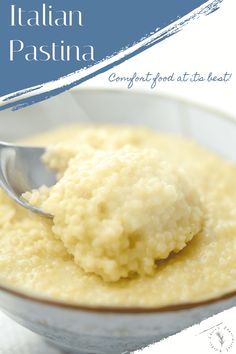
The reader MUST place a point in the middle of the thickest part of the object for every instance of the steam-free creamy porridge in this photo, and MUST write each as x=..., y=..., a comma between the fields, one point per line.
x=140, y=219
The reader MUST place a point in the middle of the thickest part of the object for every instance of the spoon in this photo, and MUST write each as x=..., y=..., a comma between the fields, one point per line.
x=22, y=170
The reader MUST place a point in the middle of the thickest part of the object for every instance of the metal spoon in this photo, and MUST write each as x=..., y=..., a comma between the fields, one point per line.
x=22, y=170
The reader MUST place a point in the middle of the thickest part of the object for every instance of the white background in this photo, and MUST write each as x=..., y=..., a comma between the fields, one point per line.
x=206, y=45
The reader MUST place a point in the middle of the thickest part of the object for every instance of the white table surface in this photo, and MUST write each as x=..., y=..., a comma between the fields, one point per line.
x=15, y=339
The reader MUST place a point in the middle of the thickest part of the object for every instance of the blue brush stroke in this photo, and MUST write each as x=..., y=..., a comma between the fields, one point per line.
x=37, y=98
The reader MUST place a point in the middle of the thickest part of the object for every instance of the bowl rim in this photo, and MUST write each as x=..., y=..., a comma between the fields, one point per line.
x=163, y=95
x=125, y=310
x=132, y=309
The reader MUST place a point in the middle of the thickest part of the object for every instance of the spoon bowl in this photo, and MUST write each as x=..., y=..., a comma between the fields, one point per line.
x=22, y=170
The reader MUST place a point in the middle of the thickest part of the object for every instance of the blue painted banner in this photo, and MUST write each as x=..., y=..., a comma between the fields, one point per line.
x=49, y=46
